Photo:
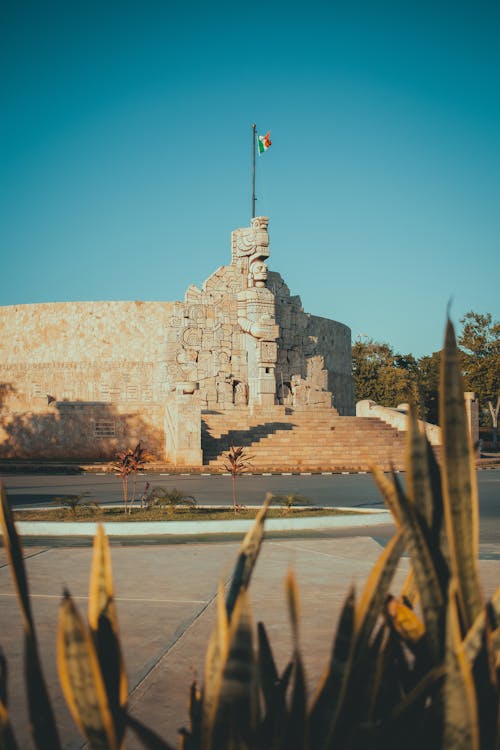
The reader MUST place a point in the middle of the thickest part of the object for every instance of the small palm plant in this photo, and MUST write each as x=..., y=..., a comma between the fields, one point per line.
x=127, y=465
x=160, y=497
x=75, y=502
x=237, y=463
x=288, y=501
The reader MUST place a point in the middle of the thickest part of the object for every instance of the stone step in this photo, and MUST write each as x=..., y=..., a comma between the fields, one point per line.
x=309, y=439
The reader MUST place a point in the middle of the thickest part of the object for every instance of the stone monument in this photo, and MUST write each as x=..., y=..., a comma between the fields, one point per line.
x=118, y=371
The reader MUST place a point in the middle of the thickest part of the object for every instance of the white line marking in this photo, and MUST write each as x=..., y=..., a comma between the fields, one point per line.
x=326, y=473
x=286, y=473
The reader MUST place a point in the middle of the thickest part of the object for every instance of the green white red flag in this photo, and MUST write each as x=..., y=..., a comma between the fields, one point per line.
x=264, y=142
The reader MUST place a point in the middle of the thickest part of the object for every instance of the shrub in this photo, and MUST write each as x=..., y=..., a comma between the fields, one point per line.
x=417, y=669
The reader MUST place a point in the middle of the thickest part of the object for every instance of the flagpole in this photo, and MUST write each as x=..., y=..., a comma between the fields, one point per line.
x=254, y=133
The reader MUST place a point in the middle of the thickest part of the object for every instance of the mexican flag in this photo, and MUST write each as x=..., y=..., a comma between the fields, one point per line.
x=264, y=142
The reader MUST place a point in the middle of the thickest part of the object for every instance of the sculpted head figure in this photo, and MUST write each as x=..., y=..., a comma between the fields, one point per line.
x=258, y=273
x=251, y=242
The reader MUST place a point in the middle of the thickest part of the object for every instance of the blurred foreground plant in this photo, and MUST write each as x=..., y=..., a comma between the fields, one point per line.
x=418, y=668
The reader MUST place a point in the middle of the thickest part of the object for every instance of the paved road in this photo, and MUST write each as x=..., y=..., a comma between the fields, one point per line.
x=335, y=490
x=353, y=490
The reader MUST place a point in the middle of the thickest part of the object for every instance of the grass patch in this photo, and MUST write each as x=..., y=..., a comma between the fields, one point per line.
x=168, y=514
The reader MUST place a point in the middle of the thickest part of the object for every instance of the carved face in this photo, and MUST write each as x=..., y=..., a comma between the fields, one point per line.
x=259, y=273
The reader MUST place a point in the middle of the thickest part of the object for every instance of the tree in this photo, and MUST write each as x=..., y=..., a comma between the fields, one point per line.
x=382, y=376
x=480, y=355
x=428, y=387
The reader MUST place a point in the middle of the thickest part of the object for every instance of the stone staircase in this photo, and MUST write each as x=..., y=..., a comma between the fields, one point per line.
x=302, y=440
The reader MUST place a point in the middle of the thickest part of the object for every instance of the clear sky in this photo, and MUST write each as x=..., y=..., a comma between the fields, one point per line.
x=125, y=137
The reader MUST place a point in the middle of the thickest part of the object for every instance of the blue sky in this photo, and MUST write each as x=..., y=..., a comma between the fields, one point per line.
x=125, y=135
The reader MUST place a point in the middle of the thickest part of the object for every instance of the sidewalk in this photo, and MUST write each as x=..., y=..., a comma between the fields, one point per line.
x=165, y=601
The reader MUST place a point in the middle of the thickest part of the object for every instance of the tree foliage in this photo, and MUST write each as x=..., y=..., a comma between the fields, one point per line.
x=389, y=378
x=381, y=375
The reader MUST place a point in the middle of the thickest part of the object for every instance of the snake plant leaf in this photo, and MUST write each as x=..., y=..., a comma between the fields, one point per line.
x=103, y=623
x=81, y=679
x=268, y=674
x=3, y=679
x=409, y=589
x=15, y=558
x=419, y=487
x=7, y=738
x=43, y=725
x=149, y=739
x=249, y=551
x=195, y=716
x=237, y=714
x=376, y=588
x=215, y=661
x=296, y=729
x=388, y=492
x=459, y=484
x=272, y=728
x=404, y=621
x=325, y=700
x=461, y=726
x=429, y=586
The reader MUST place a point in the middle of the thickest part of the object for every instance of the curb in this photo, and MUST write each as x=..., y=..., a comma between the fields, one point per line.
x=354, y=518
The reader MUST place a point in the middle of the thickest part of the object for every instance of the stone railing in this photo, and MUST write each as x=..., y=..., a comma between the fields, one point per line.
x=396, y=418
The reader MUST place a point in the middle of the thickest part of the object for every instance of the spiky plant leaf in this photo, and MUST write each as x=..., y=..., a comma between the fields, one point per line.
x=274, y=690
x=409, y=589
x=195, y=716
x=81, y=679
x=429, y=586
x=367, y=612
x=327, y=695
x=215, y=661
x=41, y=715
x=459, y=484
x=237, y=715
x=296, y=729
x=3, y=678
x=404, y=621
x=461, y=727
x=376, y=587
x=103, y=623
x=249, y=551
x=388, y=492
x=7, y=738
x=418, y=478
x=268, y=674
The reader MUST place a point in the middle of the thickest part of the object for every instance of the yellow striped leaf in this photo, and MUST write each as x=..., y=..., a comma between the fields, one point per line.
x=249, y=551
x=103, y=622
x=81, y=680
x=459, y=484
x=461, y=728
x=43, y=725
x=215, y=661
x=237, y=714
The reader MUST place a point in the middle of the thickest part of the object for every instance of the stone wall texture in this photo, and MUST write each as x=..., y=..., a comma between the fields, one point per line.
x=84, y=379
